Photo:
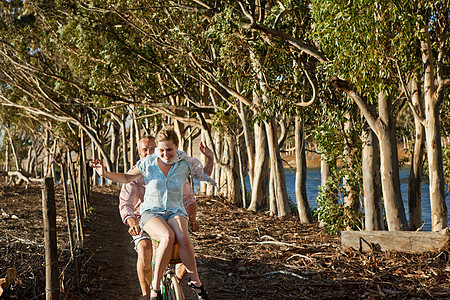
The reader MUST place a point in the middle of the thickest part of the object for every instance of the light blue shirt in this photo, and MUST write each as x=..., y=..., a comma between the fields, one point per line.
x=163, y=193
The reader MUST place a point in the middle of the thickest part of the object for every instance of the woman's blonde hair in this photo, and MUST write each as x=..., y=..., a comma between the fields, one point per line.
x=167, y=134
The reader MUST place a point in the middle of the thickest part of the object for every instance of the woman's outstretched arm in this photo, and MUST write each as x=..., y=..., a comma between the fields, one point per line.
x=116, y=177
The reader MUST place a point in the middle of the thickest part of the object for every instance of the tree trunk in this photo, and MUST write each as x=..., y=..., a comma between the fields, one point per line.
x=218, y=169
x=46, y=153
x=7, y=178
x=211, y=190
x=259, y=189
x=124, y=144
x=131, y=140
x=203, y=185
x=94, y=174
x=81, y=194
x=233, y=181
x=439, y=217
x=248, y=142
x=390, y=179
x=52, y=155
x=29, y=159
x=261, y=161
x=76, y=202
x=113, y=153
x=277, y=169
x=272, y=195
x=82, y=173
x=371, y=181
x=241, y=173
x=304, y=211
x=351, y=198
x=416, y=169
x=325, y=171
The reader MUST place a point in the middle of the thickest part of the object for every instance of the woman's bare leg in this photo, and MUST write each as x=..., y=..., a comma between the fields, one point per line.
x=159, y=229
x=180, y=226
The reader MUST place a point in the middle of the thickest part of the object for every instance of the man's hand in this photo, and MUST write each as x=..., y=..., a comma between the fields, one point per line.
x=205, y=150
x=98, y=166
x=194, y=225
x=134, y=229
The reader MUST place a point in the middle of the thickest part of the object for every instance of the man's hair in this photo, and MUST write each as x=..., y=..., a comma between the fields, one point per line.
x=167, y=134
x=147, y=137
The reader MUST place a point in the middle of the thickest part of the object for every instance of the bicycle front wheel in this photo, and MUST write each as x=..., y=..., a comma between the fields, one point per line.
x=172, y=289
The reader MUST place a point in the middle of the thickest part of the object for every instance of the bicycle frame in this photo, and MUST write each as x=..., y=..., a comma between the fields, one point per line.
x=170, y=287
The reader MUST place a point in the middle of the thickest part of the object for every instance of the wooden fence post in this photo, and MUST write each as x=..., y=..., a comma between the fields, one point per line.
x=51, y=257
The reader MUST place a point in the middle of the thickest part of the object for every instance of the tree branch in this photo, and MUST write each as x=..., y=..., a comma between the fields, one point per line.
x=314, y=90
x=368, y=113
x=312, y=51
x=21, y=175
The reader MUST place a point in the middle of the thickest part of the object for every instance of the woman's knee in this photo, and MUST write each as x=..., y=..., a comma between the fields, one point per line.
x=166, y=239
x=183, y=240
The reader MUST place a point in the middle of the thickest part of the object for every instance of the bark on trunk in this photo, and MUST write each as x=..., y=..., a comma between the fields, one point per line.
x=94, y=174
x=259, y=189
x=277, y=170
x=124, y=144
x=416, y=169
x=29, y=159
x=248, y=142
x=233, y=180
x=272, y=195
x=241, y=173
x=371, y=182
x=325, y=171
x=113, y=153
x=390, y=179
x=46, y=153
x=439, y=216
x=203, y=185
x=304, y=211
x=351, y=199
x=131, y=141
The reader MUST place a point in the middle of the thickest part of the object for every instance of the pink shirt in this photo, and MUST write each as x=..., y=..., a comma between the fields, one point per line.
x=132, y=195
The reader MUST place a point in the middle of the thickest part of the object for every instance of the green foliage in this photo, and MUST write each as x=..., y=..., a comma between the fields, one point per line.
x=364, y=40
x=342, y=151
x=335, y=216
x=292, y=206
x=227, y=122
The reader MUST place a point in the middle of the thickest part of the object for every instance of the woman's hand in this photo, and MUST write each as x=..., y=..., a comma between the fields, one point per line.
x=97, y=165
x=205, y=150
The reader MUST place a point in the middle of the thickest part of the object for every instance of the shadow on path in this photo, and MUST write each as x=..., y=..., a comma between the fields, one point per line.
x=110, y=268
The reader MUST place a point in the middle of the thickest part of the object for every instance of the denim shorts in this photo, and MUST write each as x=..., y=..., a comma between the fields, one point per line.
x=165, y=215
x=139, y=237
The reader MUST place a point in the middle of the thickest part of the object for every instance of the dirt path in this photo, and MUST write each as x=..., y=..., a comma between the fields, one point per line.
x=113, y=260
x=240, y=255
x=112, y=265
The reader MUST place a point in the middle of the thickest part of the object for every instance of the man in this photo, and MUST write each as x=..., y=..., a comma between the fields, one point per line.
x=131, y=197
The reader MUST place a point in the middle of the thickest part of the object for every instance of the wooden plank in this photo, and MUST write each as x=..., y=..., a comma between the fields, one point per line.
x=402, y=241
x=50, y=242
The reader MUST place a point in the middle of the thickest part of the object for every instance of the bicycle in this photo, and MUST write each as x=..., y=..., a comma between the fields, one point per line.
x=170, y=287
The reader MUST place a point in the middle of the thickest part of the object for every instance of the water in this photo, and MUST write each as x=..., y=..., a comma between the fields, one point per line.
x=313, y=182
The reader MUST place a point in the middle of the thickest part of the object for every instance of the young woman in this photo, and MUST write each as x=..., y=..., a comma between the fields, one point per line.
x=162, y=213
